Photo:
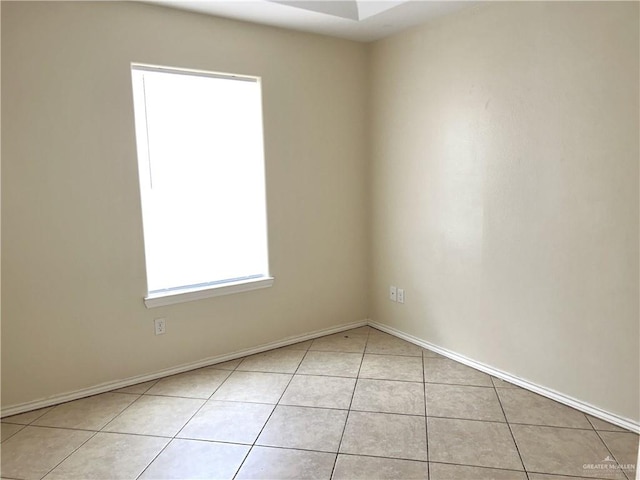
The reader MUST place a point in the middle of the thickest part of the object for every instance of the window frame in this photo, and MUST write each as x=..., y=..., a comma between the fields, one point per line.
x=214, y=288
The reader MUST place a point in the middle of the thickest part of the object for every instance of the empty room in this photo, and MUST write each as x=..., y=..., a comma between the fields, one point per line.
x=320, y=240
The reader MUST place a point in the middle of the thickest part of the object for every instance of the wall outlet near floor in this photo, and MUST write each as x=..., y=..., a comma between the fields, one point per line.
x=160, y=325
x=392, y=293
x=401, y=295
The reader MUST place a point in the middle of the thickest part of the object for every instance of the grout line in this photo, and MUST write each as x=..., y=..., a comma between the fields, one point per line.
x=620, y=429
x=426, y=422
x=389, y=380
x=229, y=373
x=495, y=391
x=562, y=476
x=208, y=440
x=564, y=427
x=74, y=451
x=152, y=382
x=298, y=449
x=154, y=458
x=307, y=375
x=121, y=412
x=346, y=420
x=460, y=384
x=270, y=415
x=466, y=385
x=165, y=437
x=48, y=409
x=610, y=451
x=169, y=441
x=481, y=467
x=379, y=354
x=173, y=437
x=22, y=427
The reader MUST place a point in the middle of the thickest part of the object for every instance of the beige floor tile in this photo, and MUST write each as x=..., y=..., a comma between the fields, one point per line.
x=109, y=455
x=563, y=451
x=443, y=370
x=624, y=447
x=601, y=425
x=461, y=401
x=230, y=365
x=375, y=331
x=389, y=345
x=138, y=388
x=319, y=391
x=274, y=361
x=298, y=346
x=199, y=383
x=151, y=415
x=234, y=422
x=340, y=342
x=304, y=428
x=391, y=367
x=194, y=459
x=253, y=387
x=337, y=364
x=442, y=471
x=283, y=464
x=522, y=406
x=27, y=417
x=355, y=467
x=91, y=413
x=385, y=435
x=498, y=383
x=34, y=451
x=470, y=442
x=8, y=430
x=389, y=396
x=430, y=354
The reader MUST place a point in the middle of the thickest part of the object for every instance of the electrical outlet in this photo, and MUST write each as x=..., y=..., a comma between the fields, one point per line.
x=160, y=325
x=393, y=293
x=401, y=295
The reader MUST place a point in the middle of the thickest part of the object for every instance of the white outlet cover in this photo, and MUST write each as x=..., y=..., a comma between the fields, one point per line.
x=392, y=293
x=160, y=326
x=401, y=295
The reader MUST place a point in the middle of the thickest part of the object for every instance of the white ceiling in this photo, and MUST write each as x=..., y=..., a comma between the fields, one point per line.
x=362, y=20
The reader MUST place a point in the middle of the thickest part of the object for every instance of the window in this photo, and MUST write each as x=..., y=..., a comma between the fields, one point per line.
x=202, y=186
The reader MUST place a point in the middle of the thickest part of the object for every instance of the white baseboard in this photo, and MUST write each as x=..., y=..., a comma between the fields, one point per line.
x=206, y=362
x=539, y=389
x=544, y=391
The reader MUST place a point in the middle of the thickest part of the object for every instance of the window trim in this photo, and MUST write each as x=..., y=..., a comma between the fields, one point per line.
x=170, y=297
x=217, y=288
x=193, y=71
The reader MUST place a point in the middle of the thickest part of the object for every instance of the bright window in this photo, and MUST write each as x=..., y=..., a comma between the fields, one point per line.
x=201, y=166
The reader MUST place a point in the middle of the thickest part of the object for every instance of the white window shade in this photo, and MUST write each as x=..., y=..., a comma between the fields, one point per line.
x=201, y=165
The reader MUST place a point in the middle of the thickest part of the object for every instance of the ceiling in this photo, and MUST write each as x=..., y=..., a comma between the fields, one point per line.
x=361, y=20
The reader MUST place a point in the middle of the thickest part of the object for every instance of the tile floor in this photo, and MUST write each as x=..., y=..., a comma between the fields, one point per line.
x=355, y=405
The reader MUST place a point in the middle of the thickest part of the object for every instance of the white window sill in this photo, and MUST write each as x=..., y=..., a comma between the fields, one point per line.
x=187, y=295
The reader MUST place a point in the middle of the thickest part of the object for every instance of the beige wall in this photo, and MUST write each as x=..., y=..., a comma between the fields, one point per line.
x=505, y=192
x=73, y=273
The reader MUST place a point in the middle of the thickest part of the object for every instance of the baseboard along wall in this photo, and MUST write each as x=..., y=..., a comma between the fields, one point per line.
x=625, y=423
